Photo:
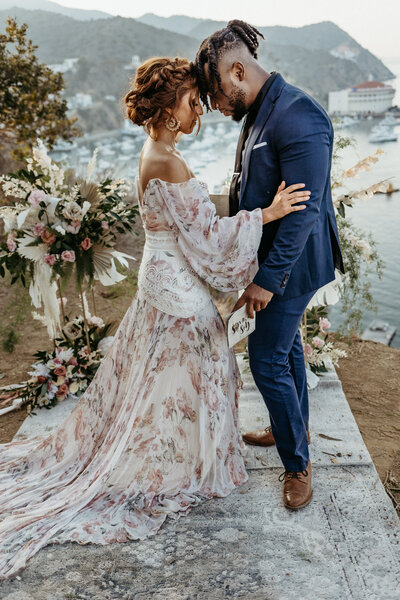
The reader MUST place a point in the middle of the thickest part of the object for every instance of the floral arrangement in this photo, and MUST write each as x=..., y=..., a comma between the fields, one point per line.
x=58, y=226
x=66, y=372
x=318, y=351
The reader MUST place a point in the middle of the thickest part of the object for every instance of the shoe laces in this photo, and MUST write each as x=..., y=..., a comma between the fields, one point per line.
x=268, y=429
x=293, y=475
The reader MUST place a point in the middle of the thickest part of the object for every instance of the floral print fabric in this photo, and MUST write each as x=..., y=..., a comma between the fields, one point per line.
x=156, y=432
x=188, y=246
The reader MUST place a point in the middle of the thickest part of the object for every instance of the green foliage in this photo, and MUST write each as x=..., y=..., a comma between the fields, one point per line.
x=31, y=99
x=19, y=267
x=10, y=340
x=356, y=294
x=13, y=314
x=358, y=264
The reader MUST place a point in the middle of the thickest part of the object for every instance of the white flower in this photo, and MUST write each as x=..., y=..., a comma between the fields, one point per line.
x=52, y=388
x=98, y=321
x=72, y=211
x=17, y=188
x=69, y=372
x=365, y=248
x=39, y=369
x=64, y=354
x=41, y=157
x=74, y=387
x=59, y=228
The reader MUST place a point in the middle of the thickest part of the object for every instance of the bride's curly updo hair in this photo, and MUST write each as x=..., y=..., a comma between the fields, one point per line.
x=159, y=83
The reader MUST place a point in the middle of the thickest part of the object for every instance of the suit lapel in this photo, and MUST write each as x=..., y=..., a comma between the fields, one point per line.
x=262, y=117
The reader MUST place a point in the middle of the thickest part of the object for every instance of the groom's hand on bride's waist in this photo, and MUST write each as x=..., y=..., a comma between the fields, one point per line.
x=255, y=297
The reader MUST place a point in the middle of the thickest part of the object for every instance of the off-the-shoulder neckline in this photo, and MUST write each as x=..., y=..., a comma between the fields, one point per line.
x=171, y=183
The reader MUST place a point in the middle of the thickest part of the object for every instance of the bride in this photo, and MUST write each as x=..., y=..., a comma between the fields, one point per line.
x=157, y=431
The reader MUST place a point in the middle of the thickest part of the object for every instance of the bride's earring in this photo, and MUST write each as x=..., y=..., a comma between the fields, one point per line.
x=172, y=123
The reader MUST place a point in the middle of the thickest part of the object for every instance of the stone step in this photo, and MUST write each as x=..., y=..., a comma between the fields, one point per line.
x=330, y=415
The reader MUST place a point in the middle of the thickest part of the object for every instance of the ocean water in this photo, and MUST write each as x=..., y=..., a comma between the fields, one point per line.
x=211, y=156
x=379, y=215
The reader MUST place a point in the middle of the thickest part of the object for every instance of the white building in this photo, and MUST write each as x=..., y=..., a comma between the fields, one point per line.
x=80, y=100
x=369, y=97
x=69, y=64
x=135, y=62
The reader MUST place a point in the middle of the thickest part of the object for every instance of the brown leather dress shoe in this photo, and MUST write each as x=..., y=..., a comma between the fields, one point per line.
x=263, y=437
x=297, y=489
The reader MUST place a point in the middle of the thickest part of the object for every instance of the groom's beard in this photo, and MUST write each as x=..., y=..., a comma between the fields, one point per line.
x=237, y=100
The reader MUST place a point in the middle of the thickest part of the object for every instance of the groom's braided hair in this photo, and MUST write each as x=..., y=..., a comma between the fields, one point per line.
x=212, y=48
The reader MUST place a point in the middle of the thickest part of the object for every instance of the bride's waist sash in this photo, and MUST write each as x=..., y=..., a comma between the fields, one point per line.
x=167, y=280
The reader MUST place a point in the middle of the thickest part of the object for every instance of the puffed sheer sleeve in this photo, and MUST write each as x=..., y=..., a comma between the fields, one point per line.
x=222, y=250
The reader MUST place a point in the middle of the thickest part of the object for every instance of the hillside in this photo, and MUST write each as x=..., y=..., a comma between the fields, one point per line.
x=104, y=48
x=177, y=23
x=318, y=58
x=75, y=13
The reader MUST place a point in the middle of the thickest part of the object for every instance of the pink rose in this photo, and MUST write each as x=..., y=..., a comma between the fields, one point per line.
x=72, y=361
x=85, y=245
x=73, y=227
x=105, y=225
x=324, y=324
x=68, y=255
x=308, y=350
x=36, y=197
x=38, y=228
x=61, y=371
x=50, y=259
x=41, y=379
x=317, y=342
x=48, y=237
x=62, y=389
x=11, y=245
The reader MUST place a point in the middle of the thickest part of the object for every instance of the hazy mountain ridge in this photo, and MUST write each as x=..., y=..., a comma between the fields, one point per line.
x=325, y=37
x=177, y=23
x=75, y=13
x=105, y=46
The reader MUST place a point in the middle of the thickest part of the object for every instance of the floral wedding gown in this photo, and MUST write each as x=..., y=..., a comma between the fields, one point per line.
x=156, y=432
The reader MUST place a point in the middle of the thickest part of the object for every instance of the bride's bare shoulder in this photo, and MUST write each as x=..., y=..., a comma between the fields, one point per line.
x=166, y=167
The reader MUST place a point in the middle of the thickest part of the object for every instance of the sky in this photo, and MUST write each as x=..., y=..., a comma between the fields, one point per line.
x=375, y=24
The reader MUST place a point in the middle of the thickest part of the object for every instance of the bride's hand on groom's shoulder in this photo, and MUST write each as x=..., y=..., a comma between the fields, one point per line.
x=286, y=201
x=255, y=297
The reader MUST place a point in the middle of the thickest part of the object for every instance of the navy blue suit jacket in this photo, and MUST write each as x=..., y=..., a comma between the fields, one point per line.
x=292, y=140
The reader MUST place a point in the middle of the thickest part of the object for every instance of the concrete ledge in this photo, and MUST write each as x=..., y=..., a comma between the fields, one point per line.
x=330, y=416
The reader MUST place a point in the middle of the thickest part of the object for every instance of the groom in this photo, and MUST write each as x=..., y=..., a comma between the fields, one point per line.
x=286, y=136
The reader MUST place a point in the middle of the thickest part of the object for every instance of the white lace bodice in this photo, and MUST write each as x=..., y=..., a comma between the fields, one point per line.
x=187, y=246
